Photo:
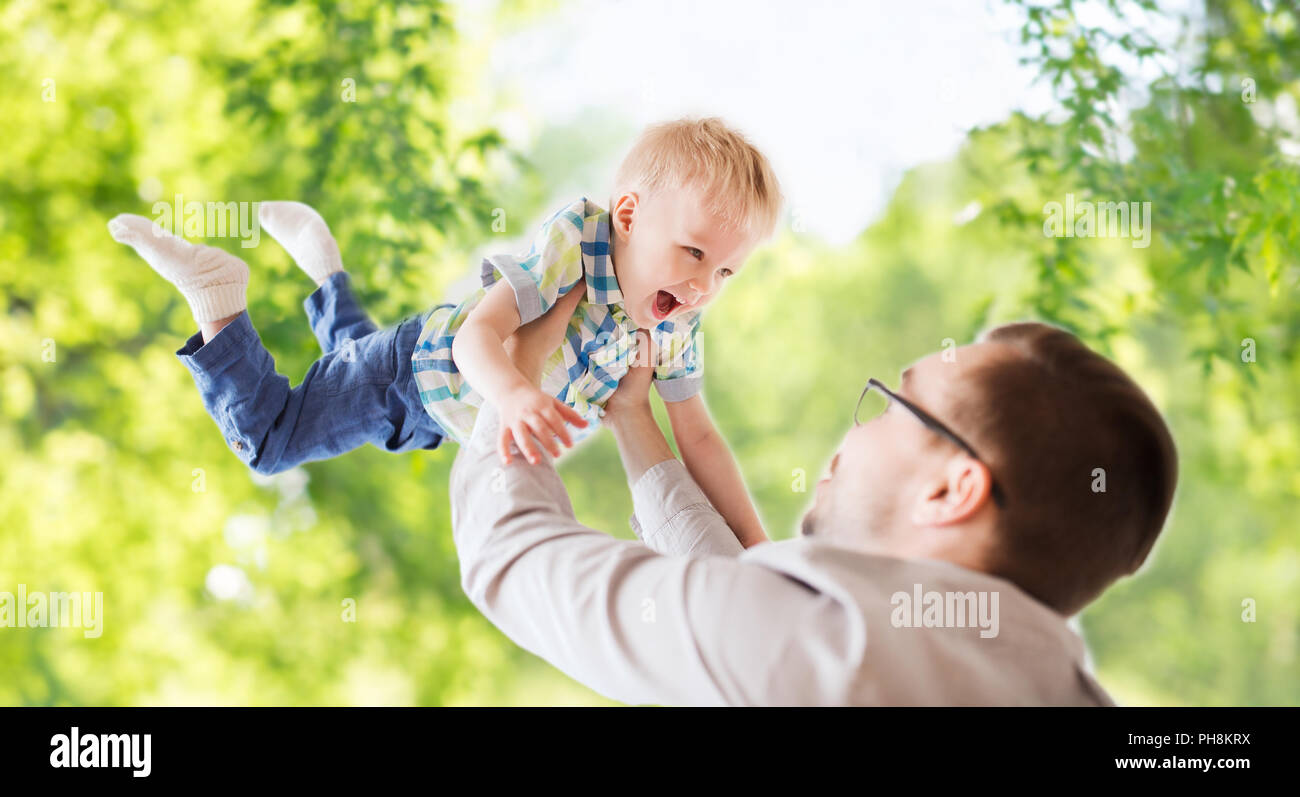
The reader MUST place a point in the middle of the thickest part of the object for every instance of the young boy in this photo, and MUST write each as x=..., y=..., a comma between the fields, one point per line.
x=692, y=199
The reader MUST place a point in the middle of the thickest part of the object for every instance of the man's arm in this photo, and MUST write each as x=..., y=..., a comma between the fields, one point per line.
x=671, y=514
x=634, y=625
x=712, y=465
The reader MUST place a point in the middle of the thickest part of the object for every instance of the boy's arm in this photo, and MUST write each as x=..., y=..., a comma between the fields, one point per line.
x=710, y=463
x=480, y=354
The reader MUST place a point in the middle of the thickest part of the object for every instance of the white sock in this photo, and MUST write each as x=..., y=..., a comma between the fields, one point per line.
x=304, y=234
x=215, y=283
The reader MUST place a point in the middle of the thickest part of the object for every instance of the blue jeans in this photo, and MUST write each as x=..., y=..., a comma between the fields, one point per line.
x=361, y=390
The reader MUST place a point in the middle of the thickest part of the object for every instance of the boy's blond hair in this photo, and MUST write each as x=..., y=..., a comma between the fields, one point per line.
x=735, y=180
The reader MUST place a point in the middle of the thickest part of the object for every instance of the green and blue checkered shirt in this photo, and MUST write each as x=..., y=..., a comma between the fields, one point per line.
x=596, y=353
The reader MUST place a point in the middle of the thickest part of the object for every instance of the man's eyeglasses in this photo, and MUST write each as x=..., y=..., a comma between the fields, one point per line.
x=879, y=402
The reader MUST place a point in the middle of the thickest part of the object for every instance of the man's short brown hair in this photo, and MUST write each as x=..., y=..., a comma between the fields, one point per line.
x=1046, y=418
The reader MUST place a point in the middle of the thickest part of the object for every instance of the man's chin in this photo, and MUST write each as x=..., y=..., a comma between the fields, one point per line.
x=808, y=525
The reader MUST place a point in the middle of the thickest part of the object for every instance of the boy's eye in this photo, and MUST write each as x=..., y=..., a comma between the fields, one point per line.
x=695, y=253
x=726, y=272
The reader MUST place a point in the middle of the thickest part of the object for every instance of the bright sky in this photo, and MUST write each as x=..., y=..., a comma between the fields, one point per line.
x=842, y=96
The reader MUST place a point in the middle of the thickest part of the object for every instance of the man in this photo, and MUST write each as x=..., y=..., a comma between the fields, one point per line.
x=1015, y=481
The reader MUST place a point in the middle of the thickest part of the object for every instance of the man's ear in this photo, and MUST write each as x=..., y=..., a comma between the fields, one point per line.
x=622, y=217
x=962, y=490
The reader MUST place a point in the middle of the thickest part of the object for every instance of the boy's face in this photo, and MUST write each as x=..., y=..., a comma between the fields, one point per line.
x=671, y=256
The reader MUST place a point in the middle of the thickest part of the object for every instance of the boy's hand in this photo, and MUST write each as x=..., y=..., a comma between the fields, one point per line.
x=527, y=413
x=526, y=407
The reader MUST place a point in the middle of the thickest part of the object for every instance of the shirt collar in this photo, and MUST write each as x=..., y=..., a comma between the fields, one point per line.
x=597, y=264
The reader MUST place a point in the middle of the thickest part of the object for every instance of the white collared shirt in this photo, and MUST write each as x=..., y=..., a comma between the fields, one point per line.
x=686, y=616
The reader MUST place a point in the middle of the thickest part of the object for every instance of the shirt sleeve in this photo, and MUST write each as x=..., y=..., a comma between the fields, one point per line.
x=548, y=270
x=632, y=624
x=673, y=516
x=679, y=372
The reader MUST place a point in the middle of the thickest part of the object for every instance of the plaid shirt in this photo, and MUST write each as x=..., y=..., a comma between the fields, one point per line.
x=586, y=369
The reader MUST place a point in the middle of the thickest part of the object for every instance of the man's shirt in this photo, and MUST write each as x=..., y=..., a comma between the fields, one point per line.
x=686, y=616
x=574, y=244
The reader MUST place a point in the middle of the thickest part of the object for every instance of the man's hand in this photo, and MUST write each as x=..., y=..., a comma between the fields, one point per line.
x=632, y=396
x=641, y=445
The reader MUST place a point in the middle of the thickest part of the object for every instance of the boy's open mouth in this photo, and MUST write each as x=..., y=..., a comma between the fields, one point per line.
x=665, y=303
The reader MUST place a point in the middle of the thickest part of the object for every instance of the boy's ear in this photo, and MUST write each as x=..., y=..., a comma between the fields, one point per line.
x=623, y=215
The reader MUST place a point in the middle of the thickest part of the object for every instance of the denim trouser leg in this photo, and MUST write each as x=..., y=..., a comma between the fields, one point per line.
x=335, y=315
x=357, y=393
